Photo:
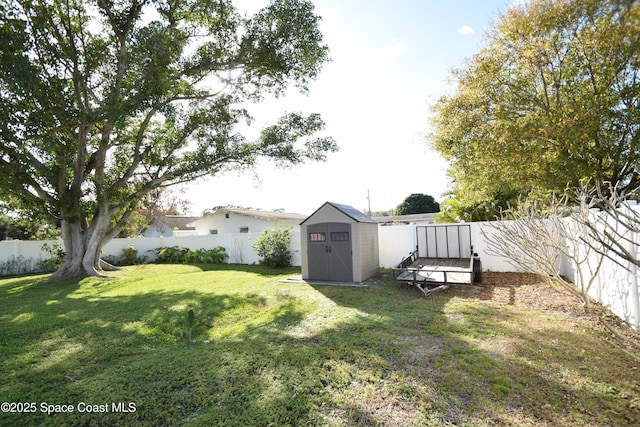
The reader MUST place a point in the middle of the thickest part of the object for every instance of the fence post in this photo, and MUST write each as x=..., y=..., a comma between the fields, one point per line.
x=633, y=269
x=634, y=293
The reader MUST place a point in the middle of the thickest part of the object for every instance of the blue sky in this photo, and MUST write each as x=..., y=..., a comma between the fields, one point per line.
x=391, y=60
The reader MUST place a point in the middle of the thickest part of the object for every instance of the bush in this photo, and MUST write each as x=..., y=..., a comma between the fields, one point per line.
x=20, y=265
x=177, y=255
x=57, y=256
x=128, y=256
x=273, y=247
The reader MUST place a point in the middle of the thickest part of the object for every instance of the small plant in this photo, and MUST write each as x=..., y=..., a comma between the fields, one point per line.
x=214, y=256
x=273, y=247
x=128, y=256
x=56, y=256
x=188, y=325
x=172, y=254
x=17, y=265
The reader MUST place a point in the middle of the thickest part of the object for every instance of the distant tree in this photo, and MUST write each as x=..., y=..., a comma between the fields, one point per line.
x=17, y=225
x=210, y=211
x=552, y=99
x=102, y=102
x=388, y=212
x=418, y=203
x=159, y=202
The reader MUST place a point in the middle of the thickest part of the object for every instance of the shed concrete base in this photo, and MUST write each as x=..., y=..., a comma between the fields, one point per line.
x=300, y=280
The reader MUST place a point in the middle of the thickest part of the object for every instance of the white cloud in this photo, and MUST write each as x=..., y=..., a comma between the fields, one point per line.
x=466, y=30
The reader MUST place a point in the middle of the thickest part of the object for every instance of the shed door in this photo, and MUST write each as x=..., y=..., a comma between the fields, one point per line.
x=329, y=252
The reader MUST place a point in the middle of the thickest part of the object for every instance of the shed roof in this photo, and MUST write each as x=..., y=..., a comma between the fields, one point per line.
x=347, y=210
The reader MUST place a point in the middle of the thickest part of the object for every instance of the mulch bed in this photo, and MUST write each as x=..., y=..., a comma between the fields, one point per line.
x=530, y=290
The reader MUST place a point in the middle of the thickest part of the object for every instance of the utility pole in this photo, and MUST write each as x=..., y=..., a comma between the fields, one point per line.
x=369, y=200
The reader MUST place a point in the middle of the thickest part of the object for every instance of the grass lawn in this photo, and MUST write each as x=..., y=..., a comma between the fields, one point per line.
x=259, y=352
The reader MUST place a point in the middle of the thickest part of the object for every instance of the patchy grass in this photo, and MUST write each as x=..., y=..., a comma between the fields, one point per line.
x=261, y=352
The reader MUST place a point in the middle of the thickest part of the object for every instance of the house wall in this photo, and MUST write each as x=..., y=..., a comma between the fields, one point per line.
x=165, y=231
x=156, y=229
x=152, y=231
x=232, y=225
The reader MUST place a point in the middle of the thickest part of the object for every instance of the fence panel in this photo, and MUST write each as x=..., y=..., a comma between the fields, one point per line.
x=395, y=242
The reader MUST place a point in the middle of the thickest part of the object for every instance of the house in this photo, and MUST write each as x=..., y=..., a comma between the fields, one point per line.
x=339, y=243
x=420, y=219
x=171, y=226
x=232, y=221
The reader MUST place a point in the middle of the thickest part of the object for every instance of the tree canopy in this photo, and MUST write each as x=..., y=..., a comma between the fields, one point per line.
x=551, y=100
x=418, y=203
x=103, y=101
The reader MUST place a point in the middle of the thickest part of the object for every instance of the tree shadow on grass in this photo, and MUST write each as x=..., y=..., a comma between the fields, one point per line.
x=499, y=363
x=244, y=268
x=357, y=356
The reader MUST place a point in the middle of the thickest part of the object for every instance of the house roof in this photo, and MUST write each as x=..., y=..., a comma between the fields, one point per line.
x=406, y=218
x=266, y=214
x=179, y=222
x=349, y=211
x=254, y=213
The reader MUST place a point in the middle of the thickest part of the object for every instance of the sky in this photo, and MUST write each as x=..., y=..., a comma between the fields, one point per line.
x=390, y=61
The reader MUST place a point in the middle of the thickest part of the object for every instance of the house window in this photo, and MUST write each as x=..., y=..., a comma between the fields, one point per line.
x=317, y=237
x=244, y=229
x=339, y=236
x=213, y=231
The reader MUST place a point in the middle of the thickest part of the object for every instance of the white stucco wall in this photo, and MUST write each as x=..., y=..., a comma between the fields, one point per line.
x=235, y=222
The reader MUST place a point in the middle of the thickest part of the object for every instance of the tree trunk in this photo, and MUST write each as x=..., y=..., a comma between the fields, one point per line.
x=83, y=247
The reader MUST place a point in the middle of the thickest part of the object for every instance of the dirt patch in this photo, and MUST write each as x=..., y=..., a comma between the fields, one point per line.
x=529, y=290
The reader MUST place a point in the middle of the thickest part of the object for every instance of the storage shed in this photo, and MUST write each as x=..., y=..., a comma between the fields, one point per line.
x=339, y=243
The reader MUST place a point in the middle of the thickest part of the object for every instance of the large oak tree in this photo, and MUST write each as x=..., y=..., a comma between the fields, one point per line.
x=551, y=100
x=103, y=101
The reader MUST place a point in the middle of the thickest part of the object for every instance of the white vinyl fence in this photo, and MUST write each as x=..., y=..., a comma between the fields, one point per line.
x=18, y=256
x=238, y=246
x=614, y=287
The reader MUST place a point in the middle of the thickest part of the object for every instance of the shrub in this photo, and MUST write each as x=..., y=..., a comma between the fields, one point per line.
x=128, y=256
x=173, y=254
x=273, y=247
x=18, y=265
x=177, y=255
x=56, y=260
